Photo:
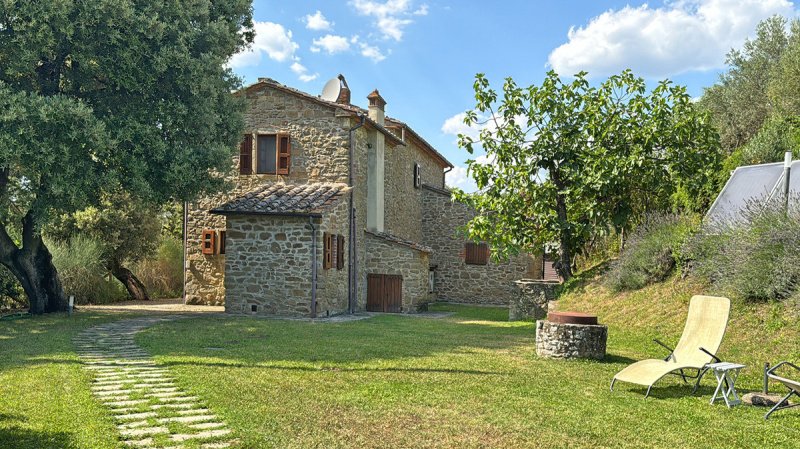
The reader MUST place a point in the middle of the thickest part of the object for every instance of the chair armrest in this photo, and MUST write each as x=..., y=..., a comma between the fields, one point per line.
x=658, y=342
x=771, y=371
x=714, y=356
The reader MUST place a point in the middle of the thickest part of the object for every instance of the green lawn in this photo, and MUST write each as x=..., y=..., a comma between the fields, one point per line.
x=471, y=380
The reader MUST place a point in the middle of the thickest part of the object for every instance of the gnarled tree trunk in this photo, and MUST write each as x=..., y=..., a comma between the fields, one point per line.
x=32, y=265
x=135, y=287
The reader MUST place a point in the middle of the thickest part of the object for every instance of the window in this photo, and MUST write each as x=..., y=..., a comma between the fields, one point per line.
x=273, y=155
x=339, y=252
x=476, y=253
x=417, y=175
x=208, y=241
x=246, y=155
x=327, y=250
x=222, y=237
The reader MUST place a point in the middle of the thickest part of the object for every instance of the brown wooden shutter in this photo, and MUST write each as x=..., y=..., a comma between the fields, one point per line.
x=284, y=154
x=246, y=155
x=476, y=253
x=222, y=237
x=327, y=250
x=208, y=241
x=339, y=252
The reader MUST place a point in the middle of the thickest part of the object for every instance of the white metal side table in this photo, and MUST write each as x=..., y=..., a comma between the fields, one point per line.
x=726, y=374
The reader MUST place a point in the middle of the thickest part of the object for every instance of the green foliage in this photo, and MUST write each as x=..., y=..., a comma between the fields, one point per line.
x=163, y=274
x=82, y=271
x=755, y=261
x=652, y=252
x=777, y=136
x=11, y=295
x=570, y=161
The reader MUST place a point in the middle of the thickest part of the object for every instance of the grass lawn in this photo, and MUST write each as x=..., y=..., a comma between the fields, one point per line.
x=470, y=380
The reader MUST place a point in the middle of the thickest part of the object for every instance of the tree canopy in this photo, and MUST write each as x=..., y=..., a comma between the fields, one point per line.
x=102, y=95
x=568, y=161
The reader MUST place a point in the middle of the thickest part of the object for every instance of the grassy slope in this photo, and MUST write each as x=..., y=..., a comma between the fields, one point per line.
x=756, y=333
x=45, y=400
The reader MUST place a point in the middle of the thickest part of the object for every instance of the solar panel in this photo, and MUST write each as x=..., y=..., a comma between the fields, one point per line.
x=749, y=184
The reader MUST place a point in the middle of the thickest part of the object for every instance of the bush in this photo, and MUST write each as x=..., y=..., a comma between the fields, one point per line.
x=11, y=294
x=81, y=269
x=163, y=274
x=755, y=260
x=654, y=249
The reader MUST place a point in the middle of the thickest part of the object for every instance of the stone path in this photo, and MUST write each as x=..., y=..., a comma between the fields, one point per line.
x=150, y=410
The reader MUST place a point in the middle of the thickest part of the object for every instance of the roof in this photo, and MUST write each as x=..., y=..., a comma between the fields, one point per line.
x=357, y=111
x=395, y=239
x=354, y=110
x=307, y=200
x=753, y=184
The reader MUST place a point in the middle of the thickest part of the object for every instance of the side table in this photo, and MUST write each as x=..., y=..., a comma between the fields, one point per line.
x=726, y=374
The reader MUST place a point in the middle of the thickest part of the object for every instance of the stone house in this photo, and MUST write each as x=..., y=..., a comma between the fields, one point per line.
x=335, y=209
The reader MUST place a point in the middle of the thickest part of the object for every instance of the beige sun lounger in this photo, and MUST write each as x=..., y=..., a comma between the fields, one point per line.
x=701, y=338
x=792, y=385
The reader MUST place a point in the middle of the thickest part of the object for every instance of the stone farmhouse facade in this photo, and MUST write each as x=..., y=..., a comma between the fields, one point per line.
x=335, y=209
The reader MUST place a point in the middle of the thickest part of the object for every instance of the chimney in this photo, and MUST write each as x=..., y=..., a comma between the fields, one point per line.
x=344, y=91
x=376, y=107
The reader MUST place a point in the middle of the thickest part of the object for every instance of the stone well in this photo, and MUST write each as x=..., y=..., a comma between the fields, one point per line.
x=531, y=299
x=571, y=335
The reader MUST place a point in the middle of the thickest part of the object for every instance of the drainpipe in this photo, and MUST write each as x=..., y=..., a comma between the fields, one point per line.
x=787, y=168
x=313, y=267
x=444, y=176
x=352, y=275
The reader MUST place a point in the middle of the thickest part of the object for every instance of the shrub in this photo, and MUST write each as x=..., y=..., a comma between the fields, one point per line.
x=755, y=260
x=11, y=294
x=654, y=249
x=81, y=269
x=163, y=274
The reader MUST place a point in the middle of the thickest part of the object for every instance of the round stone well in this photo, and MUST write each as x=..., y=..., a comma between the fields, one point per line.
x=571, y=335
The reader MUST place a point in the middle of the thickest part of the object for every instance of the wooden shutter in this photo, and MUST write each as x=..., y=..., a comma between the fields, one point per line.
x=476, y=253
x=222, y=236
x=339, y=252
x=284, y=154
x=246, y=155
x=208, y=241
x=327, y=250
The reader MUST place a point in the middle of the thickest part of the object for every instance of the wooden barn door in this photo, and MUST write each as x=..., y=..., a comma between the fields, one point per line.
x=384, y=293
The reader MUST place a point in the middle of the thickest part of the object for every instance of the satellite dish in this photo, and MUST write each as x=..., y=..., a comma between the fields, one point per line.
x=331, y=90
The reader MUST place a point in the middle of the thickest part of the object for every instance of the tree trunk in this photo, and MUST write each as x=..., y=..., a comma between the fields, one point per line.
x=135, y=287
x=564, y=264
x=33, y=267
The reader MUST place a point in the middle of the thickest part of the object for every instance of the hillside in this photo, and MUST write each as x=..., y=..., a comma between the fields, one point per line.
x=757, y=333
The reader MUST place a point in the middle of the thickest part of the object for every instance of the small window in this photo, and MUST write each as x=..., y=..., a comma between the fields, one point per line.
x=476, y=253
x=208, y=241
x=246, y=155
x=222, y=239
x=273, y=154
x=339, y=252
x=417, y=176
x=327, y=250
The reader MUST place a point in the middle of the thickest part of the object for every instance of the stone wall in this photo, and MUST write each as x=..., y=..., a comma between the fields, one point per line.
x=410, y=261
x=332, y=283
x=320, y=152
x=455, y=280
x=532, y=299
x=268, y=265
x=403, y=202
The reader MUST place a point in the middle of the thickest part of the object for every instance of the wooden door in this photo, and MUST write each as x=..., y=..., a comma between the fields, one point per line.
x=384, y=293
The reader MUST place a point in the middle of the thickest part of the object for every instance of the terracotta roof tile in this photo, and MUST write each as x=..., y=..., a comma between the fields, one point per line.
x=285, y=199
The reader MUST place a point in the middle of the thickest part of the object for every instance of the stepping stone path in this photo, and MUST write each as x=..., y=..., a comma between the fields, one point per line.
x=151, y=411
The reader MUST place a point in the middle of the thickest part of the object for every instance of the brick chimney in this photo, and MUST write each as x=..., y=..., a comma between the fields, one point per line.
x=376, y=106
x=344, y=91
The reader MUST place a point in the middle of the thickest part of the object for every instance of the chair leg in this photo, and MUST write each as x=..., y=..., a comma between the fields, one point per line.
x=778, y=405
x=683, y=376
x=648, y=391
x=612, y=383
x=700, y=375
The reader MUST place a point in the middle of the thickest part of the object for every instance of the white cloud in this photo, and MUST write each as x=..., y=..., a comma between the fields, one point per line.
x=331, y=43
x=682, y=36
x=317, y=22
x=455, y=125
x=302, y=72
x=371, y=52
x=271, y=39
x=458, y=176
x=391, y=17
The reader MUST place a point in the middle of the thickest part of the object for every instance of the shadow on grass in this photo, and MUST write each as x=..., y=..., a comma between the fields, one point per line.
x=239, y=364
x=19, y=438
x=580, y=281
x=667, y=391
x=613, y=358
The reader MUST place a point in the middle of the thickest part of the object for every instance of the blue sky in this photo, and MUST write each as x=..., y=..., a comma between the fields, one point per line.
x=423, y=54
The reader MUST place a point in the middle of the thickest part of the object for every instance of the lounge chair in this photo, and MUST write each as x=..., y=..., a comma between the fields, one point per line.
x=701, y=338
x=792, y=385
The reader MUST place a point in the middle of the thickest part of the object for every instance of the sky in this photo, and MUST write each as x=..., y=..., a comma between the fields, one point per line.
x=422, y=55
